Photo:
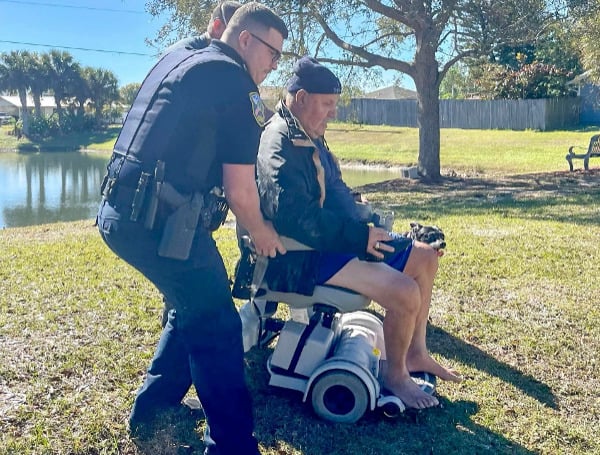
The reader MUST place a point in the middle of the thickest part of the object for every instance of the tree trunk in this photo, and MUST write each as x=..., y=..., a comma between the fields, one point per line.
x=37, y=102
x=24, y=114
x=428, y=108
x=428, y=120
x=59, y=110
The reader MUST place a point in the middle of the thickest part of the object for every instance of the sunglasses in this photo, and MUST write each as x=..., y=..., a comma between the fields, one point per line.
x=276, y=54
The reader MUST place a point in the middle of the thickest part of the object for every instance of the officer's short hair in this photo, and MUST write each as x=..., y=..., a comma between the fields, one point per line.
x=224, y=10
x=253, y=16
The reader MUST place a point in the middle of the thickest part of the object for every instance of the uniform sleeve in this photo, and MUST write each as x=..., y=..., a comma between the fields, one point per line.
x=242, y=118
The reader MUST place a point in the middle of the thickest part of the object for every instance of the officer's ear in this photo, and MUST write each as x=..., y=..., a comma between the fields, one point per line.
x=244, y=39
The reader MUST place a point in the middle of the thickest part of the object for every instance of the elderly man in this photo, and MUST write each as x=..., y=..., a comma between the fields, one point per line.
x=192, y=133
x=302, y=193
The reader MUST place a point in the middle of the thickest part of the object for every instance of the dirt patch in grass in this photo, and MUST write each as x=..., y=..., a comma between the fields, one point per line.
x=532, y=185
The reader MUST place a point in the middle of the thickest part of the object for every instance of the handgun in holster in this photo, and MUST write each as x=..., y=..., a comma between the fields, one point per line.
x=180, y=228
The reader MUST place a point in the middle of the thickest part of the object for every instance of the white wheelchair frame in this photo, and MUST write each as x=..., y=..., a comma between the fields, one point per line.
x=329, y=349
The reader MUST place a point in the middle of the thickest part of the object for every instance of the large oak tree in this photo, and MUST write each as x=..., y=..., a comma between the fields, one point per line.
x=421, y=39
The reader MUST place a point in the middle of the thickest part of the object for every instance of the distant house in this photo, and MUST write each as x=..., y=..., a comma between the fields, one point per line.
x=11, y=104
x=392, y=92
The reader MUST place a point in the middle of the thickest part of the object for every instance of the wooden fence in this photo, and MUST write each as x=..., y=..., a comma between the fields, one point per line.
x=540, y=114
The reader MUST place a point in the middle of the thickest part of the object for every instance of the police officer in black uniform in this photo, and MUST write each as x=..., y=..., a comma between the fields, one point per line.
x=219, y=19
x=214, y=30
x=192, y=132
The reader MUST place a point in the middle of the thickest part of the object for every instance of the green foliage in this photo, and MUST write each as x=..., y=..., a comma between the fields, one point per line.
x=72, y=122
x=457, y=84
x=532, y=81
x=71, y=85
x=128, y=92
x=102, y=88
x=42, y=126
x=586, y=34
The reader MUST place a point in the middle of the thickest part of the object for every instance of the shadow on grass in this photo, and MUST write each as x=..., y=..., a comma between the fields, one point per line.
x=554, y=196
x=284, y=424
x=450, y=347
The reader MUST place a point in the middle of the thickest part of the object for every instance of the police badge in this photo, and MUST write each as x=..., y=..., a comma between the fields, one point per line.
x=258, y=108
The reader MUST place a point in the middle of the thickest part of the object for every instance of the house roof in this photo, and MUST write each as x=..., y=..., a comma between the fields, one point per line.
x=47, y=101
x=393, y=92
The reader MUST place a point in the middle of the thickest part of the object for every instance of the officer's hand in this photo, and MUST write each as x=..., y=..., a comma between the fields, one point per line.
x=376, y=243
x=267, y=242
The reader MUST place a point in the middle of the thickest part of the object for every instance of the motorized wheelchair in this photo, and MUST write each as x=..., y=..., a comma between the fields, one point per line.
x=329, y=349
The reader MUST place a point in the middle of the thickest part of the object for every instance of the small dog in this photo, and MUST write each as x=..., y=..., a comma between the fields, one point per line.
x=432, y=235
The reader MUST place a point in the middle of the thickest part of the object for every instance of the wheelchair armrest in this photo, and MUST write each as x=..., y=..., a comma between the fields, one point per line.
x=291, y=244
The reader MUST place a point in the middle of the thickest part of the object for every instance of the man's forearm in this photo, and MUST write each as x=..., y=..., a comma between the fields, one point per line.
x=242, y=196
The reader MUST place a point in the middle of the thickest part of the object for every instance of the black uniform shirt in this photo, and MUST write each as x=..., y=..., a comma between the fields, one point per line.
x=204, y=112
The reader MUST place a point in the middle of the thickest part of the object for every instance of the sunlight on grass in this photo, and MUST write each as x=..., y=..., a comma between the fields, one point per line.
x=515, y=310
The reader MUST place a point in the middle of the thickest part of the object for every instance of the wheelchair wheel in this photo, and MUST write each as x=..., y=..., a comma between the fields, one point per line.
x=339, y=396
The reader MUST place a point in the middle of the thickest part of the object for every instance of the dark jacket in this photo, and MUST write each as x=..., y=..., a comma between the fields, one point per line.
x=291, y=195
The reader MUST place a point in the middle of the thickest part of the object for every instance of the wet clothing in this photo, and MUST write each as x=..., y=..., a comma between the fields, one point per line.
x=195, y=111
x=302, y=192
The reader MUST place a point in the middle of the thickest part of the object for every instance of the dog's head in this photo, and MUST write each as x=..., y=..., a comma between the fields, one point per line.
x=432, y=235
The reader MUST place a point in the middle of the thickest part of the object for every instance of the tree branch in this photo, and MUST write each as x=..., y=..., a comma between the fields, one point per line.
x=369, y=59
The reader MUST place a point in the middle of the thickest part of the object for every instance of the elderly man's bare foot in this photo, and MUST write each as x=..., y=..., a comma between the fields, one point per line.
x=428, y=364
x=411, y=394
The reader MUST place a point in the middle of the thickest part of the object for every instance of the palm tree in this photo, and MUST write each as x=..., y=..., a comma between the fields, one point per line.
x=64, y=75
x=104, y=88
x=16, y=71
x=39, y=81
x=81, y=92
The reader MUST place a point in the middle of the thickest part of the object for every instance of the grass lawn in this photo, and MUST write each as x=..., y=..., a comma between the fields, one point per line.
x=515, y=309
x=96, y=140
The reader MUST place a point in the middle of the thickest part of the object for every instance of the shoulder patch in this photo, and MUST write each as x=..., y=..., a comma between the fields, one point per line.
x=258, y=108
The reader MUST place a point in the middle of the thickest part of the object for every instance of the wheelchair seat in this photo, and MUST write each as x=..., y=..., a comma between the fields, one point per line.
x=342, y=299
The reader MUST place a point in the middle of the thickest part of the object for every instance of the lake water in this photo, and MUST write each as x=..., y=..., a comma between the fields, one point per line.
x=39, y=188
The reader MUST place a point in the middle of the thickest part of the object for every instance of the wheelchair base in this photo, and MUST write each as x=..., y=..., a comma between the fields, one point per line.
x=333, y=360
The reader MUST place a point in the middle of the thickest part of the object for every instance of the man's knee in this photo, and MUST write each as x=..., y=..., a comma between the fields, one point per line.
x=406, y=296
x=422, y=258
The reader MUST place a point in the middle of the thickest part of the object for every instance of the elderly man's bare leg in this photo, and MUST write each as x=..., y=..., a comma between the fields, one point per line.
x=422, y=266
x=400, y=296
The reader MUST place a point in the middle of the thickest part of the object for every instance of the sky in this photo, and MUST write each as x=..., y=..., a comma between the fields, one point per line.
x=105, y=34
x=108, y=34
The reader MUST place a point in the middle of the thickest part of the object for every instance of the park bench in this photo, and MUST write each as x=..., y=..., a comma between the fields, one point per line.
x=592, y=151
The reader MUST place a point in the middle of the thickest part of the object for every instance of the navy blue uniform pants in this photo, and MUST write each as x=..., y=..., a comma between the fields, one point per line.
x=201, y=344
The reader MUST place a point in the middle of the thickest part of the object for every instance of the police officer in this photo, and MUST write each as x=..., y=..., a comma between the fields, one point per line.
x=219, y=19
x=195, y=126
x=214, y=30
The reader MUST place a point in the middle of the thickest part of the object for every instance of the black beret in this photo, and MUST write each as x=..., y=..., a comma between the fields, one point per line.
x=313, y=77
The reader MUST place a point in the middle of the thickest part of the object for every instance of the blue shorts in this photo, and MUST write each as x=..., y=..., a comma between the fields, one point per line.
x=331, y=263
